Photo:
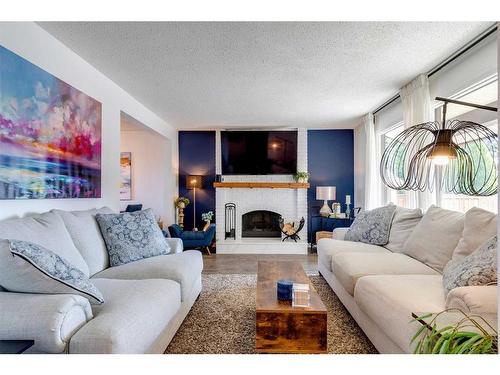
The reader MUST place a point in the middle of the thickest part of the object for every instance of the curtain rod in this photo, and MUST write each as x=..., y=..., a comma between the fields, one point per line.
x=478, y=39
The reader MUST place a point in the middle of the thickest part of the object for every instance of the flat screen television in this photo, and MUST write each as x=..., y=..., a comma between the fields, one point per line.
x=259, y=152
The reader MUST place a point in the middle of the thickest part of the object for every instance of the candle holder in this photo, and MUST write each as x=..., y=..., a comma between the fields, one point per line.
x=348, y=211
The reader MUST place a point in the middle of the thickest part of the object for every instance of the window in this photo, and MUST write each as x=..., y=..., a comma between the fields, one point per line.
x=486, y=94
x=398, y=197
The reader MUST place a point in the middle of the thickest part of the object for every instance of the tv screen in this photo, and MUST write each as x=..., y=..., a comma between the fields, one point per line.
x=259, y=152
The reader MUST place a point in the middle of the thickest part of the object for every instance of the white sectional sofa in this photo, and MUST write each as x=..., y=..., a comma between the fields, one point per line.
x=145, y=301
x=382, y=288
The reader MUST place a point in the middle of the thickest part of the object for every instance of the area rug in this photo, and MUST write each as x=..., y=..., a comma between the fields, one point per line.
x=222, y=320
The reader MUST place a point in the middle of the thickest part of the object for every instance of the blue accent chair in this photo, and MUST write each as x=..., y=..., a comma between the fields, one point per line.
x=194, y=239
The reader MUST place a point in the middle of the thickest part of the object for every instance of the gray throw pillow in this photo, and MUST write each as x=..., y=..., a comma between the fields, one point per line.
x=132, y=236
x=26, y=267
x=372, y=226
x=478, y=268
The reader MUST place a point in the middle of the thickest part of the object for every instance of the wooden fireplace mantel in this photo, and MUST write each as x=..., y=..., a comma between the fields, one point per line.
x=261, y=185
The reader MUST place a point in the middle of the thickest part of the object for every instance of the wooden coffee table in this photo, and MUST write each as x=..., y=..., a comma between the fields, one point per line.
x=281, y=328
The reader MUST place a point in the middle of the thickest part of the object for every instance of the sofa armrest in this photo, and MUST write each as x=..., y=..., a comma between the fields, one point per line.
x=339, y=233
x=175, y=244
x=474, y=299
x=48, y=319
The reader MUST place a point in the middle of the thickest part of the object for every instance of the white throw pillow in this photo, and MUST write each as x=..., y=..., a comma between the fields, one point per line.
x=480, y=225
x=404, y=222
x=435, y=237
x=84, y=230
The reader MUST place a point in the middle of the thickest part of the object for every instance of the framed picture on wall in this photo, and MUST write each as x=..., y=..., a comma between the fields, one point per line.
x=50, y=135
x=126, y=176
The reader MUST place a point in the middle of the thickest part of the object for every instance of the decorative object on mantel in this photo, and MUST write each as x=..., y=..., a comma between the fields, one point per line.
x=289, y=229
x=348, y=206
x=230, y=221
x=207, y=217
x=194, y=182
x=180, y=204
x=284, y=290
x=301, y=177
x=325, y=193
x=461, y=155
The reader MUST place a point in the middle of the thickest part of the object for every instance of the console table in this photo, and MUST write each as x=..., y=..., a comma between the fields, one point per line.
x=320, y=223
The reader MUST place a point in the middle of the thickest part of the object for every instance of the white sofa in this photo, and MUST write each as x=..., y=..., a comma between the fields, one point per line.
x=381, y=289
x=145, y=301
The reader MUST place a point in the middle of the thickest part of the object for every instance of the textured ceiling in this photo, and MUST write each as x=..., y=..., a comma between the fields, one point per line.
x=252, y=74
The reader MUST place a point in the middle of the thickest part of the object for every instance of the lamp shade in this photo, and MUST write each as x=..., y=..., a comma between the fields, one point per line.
x=326, y=193
x=193, y=181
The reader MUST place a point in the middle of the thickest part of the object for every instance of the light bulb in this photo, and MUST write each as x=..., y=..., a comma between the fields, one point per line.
x=441, y=160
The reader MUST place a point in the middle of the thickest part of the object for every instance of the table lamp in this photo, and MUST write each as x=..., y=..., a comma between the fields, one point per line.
x=194, y=182
x=325, y=193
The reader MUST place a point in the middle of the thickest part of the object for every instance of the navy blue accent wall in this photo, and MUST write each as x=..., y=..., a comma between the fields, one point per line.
x=197, y=157
x=330, y=163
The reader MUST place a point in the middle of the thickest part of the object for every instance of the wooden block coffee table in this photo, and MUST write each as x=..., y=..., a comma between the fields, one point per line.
x=281, y=328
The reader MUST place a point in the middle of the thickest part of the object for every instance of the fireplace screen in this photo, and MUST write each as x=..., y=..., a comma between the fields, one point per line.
x=261, y=224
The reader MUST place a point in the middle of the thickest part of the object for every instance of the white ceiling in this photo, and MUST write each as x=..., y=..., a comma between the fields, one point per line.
x=252, y=74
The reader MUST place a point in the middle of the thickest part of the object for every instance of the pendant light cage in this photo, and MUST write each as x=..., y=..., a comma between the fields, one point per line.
x=470, y=150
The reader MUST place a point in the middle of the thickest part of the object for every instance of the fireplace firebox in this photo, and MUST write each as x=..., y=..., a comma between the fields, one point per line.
x=261, y=223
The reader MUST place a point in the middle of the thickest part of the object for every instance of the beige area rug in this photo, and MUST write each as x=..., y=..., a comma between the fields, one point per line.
x=222, y=321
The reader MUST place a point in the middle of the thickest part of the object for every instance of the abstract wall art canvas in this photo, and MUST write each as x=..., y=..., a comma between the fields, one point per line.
x=50, y=135
x=125, y=176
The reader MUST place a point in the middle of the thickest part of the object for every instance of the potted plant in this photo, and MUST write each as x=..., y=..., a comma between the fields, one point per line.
x=301, y=177
x=181, y=202
x=207, y=217
x=472, y=334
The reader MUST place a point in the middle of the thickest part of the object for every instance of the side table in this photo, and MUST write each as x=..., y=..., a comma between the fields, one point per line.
x=15, y=346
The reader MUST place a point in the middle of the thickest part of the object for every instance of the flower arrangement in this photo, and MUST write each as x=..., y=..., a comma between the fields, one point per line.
x=181, y=202
x=207, y=216
x=301, y=177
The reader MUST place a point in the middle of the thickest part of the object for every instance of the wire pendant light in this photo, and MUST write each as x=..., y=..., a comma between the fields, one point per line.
x=457, y=156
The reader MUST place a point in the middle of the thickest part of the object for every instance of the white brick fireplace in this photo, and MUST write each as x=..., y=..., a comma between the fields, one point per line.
x=290, y=203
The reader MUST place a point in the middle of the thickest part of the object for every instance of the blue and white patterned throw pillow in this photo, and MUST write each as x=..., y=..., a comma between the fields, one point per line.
x=478, y=268
x=39, y=270
x=132, y=236
x=373, y=226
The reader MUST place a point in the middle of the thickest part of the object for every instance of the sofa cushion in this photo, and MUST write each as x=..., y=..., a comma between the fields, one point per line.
x=389, y=301
x=47, y=230
x=372, y=226
x=479, y=226
x=435, y=237
x=132, y=236
x=185, y=268
x=133, y=317
x=328, y=247
x=86, y=235
x=404, y=222
x=474, y=299
x=479, y=268
x=30, y=268
x=349, y=267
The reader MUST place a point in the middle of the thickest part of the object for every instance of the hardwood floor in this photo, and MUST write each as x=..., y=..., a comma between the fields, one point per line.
x=247, y=263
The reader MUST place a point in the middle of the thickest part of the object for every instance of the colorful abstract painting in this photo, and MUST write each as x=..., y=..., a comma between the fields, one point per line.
x=125, y=176
x=50, y=135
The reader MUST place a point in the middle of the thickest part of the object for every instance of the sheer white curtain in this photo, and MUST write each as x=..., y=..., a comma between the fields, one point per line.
x=417, y=109
x=372, y=165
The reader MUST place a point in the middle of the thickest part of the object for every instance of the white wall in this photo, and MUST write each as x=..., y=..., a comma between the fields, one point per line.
x=40, y=48
x=150, y=179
